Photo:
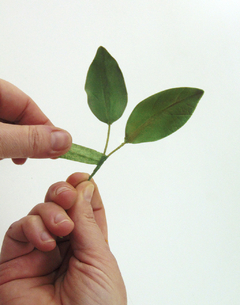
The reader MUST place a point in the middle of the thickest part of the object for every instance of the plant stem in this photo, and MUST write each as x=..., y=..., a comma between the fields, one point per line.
x=108, y=135
x=116, y=149
x=100, y=163
x=103, y=159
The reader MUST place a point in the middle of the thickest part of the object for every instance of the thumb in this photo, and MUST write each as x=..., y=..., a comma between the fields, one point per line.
x=86, y=237
x=33, y=141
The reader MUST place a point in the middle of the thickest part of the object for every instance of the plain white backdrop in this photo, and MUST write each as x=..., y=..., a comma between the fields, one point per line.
x=173, y=206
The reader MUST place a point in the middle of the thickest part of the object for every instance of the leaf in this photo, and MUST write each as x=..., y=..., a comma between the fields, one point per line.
x=105, y=87
x=161, y=114
x=83, y=154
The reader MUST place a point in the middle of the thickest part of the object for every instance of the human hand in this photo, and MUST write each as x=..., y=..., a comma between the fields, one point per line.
x=37, y=267
x=25, y=132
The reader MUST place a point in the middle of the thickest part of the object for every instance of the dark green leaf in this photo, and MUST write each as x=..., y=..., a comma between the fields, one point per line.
x=83, y=154
x=105, y=87
x=161, y=114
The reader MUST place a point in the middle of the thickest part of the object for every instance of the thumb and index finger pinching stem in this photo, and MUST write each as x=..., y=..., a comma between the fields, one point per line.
x=87, y=234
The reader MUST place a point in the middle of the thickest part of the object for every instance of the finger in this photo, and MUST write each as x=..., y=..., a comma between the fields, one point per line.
x=99, y=211
x=25, y=235
x=38, y=141
x=86, y=237
x=54, y=218
x=19, y=161
x=96, y=202
x=63, y=194
x=77, y=178
x=17, y=107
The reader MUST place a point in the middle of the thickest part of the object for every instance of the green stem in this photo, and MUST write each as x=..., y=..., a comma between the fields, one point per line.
x=108, y=135
x=116, y=149
x=100, y=163
x=103, y=159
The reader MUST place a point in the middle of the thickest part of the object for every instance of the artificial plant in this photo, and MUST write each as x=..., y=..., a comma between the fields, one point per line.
x=152, y=119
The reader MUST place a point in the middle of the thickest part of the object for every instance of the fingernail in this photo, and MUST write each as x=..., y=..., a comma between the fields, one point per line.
x=59, y=218
x=63, y=189
x=46, y=237
x=60, y=140
x=88, y=192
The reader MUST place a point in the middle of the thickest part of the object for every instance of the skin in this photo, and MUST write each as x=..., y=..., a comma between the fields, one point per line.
x=38, y=267
x=25, y=131
x=58, y=253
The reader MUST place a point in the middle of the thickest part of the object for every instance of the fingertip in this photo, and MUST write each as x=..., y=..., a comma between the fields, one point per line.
x=53, y=218
x=88, y=192
x=36, y=232
x=19, y=161
x=64, y=226
x=47, y=242
x=66, y=196
x=63, y=194
x=61, y=140
x=46, y=237
x=76, y=178
x=63, y=189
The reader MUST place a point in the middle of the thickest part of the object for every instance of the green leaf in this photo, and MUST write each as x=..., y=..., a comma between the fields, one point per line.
x=161, y=114
x=83, y=154
x=105, y=87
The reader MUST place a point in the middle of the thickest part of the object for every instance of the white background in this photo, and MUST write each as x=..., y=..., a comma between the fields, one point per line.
x=172, y=205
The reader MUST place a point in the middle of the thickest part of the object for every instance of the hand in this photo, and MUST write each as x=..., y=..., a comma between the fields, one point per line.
x=37, y=267
x=25, y=132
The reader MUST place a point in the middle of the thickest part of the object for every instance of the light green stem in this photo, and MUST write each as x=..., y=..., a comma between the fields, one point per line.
x=108, y=135
x=116, y=149
x=103, y=159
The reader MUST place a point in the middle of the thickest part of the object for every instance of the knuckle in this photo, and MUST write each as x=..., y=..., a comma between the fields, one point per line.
x=36, y=210
x=30, y=220
x=89, y=218
x=34, y=138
